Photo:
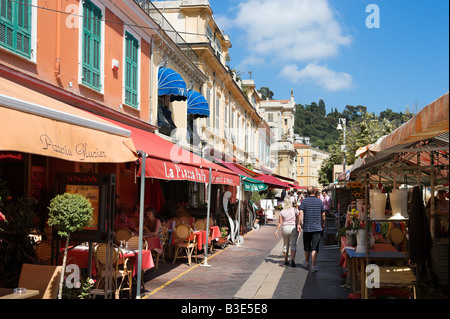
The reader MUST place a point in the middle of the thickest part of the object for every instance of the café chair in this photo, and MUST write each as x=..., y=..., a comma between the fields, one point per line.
x=124, y=273
x=200, y=224
x=44, y=278
x=133, y=243
x=164, y=240
x=44, y=252
x=122, y=234
x=185, y=240
x=212, y=222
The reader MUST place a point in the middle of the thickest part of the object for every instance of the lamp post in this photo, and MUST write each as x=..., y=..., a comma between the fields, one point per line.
x=344, y=146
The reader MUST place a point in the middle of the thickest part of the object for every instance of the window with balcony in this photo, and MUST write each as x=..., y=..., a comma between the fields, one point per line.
x=15, y=26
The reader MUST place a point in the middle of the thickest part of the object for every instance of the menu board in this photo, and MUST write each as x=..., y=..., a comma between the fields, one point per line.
x=91, y=192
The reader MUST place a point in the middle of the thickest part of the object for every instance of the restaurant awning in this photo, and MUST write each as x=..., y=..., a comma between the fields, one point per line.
x=197, y=106
x=168, y=161
x=250, y=184
x=171, y=83
x=273, y=182
x=34, y=123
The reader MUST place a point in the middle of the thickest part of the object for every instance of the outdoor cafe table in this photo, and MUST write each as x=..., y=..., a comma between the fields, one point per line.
x=201, y=236
x=380, y=254
x=8, y=293
x=154, y=243
x=81, y=256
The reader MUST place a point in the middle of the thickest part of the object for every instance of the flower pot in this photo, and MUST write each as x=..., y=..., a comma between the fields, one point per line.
x=361, y=247
x=350, y=236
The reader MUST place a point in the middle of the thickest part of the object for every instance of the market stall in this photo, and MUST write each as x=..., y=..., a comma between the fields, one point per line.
x=391, y=178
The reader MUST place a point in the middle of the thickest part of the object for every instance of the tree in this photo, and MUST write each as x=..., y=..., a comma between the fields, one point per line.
x=69, y=213
x=266, y=93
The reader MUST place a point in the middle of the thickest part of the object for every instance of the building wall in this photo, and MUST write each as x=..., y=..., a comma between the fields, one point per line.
x=234, y=123
x=309, y=162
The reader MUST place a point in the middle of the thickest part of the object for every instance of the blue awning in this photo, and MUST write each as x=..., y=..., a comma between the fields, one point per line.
x=197, y=106
x=171, y=83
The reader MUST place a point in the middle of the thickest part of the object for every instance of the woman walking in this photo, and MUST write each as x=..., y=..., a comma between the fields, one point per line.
x=287, y=219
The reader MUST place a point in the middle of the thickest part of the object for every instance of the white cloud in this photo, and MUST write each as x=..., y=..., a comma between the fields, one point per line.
x=319, y=75
x=298, y=30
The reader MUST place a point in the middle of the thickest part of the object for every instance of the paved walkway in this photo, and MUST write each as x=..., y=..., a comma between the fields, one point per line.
x=253, y=271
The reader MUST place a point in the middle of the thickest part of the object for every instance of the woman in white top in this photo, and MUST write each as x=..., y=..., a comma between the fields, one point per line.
x=287, y=219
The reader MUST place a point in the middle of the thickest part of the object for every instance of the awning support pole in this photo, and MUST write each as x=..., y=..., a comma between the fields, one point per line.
x=141, y=224
x=208, y=213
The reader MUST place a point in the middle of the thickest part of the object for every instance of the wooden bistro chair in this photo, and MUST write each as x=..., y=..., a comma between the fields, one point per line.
x=124, y=273
x=185, y=240
x=164, y=241
x=43, y=278
x=133, y=243
x=44, y=252
x=200, y=224
x=122, y=234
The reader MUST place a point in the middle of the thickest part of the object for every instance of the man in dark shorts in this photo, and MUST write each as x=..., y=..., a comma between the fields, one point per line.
x=312, y=220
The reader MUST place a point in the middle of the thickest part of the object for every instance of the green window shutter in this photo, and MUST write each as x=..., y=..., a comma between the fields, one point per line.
x=131, y=70
x=91, y=51
x=15, y=26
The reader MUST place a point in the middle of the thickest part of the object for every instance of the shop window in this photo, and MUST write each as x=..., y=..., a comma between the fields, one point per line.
x=165, y=121
x=15, y=26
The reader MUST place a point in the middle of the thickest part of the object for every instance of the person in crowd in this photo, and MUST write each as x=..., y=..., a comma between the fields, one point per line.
x=326, y=200
x=312, y=219
x=123, y=222
x=287, y=223
x=441, y=210
x=294, y=193
x=283, y=194
x=152, y=225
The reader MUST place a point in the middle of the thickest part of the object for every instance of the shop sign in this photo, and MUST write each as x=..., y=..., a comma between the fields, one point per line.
x=11, y=156
x=80, y=152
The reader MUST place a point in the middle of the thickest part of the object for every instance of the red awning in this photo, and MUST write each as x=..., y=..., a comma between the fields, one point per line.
x=272, y=181
x=170, y=162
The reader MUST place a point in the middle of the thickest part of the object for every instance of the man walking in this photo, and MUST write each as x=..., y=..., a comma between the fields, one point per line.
x=312, y=219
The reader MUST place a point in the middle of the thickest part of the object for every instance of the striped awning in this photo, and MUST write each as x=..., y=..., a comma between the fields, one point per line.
x=431, y=121
x=197, y=106
x=171, y=83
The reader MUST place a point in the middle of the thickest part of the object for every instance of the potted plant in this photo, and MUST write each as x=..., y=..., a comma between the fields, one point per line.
x=223, y=234
x=69, y=213
x=353, y=224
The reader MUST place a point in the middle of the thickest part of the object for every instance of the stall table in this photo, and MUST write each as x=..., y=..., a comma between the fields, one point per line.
x=398, y=277
x=380, y=254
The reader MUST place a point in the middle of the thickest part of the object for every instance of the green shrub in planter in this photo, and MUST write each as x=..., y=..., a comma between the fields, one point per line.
x=69, y=213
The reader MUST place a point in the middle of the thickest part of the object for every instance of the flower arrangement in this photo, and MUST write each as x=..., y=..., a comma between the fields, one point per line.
x=353, y=221
x=224, y=232
x=357, y=189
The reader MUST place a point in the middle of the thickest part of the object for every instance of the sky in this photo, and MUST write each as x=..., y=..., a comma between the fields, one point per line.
x=377, y=53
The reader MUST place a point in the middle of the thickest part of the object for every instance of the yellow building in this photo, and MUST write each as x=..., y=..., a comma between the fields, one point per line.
x=309, y=162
